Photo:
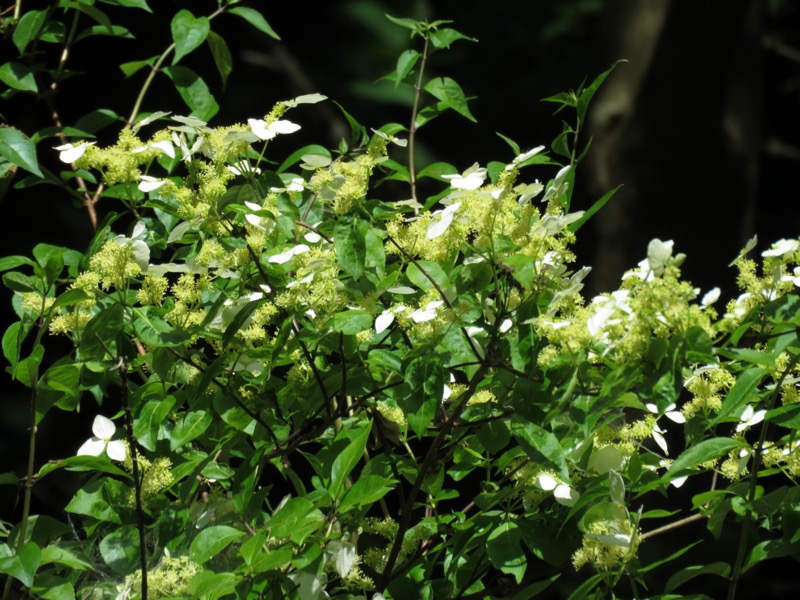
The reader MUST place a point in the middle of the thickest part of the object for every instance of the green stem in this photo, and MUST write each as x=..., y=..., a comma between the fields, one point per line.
x=427, y=464
x=154, y=70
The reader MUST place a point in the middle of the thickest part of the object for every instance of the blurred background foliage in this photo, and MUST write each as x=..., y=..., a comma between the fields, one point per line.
x=701, y=124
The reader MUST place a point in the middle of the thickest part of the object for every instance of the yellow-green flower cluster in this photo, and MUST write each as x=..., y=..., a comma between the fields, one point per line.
x=708, y=385
x=119, y=163
x=115, y=264
x=315, y=283
x=604, y=555
x=34, y=302
x=152, y=291
x=170, y=579
x=186, y=292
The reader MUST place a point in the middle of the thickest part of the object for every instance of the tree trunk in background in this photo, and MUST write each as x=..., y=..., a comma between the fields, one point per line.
x=679, y=126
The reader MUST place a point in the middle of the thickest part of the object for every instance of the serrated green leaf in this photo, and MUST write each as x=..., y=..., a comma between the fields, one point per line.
x=703, y=452
x=350, y=245
x=211, y=541
x=19, y=77
x=221, y=55
x=425, y=378
x=194, y=91
x=152, y=416
x=256, y=19
x=188, y=32
x=28, y=27
x=450, y=93
x=190, y=427
x=18, y=149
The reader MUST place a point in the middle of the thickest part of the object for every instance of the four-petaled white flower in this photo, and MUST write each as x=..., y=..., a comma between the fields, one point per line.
x=103, y=429
x=471, y=179
x=263, y=131
x=69, y=153
x=750, y=417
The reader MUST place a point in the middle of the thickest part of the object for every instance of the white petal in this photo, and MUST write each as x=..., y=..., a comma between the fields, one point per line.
x=679, y=481
x=439, y=226
x=150, y=184
x=675, y=416
x=312, y=237
x=546, y=482
x=92, y=447
x=103, y=427
x=526, y=155
x=617, y=539
x=383, y=321
x=565, y=495
x=710, y=297
x=257, y=221
x=782, y=247
x=283, y=127
x=659, y=439
x=70, y=153
x=284, y=257
x=420, y=316
x=260, y=130
x=505, y=325
x=116, y=450
x=166, y=147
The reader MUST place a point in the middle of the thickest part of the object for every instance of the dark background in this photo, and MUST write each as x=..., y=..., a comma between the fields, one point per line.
x=701, y=125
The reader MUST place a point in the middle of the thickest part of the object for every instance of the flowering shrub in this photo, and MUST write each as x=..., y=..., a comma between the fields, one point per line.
x=305, y=389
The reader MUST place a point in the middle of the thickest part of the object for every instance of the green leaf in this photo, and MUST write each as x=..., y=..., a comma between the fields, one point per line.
x=130, y=68
x=221, y=54
x=194, y=91
x=405, y=22
x=586, y=94
x=129, y=3
x=192, y=426
x=442, y=38
x=153, y=414
x=91, y=501
x=740, y=393
x=366, y=491
x=211, y=541
x=18, y=149
x=421, y=273
x=405, y=63
x=256, y=19
x=450, y=93
x=350, y=245
x=28, y=28
x=120, y=549
x=593, y=209
x=298, y=155
x=293, y=516
x=748, y=355
x=99, y=337
x=154, y=331
x=425, y=378
x=785, y=416
x=504, y=550
x=188, y=33
x=238, y=321
x=12, y=344
x=19, y=77
x=83, y=463
x=703, y=452
x=347, y=460
x=351, y=322
x=211, y=586
x=720, y=569
x=23, y=564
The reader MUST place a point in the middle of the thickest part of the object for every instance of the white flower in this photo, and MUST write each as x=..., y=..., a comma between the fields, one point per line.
x=69, y=153
x=710, y=297
x=428, y=314
x=103, y=430
x=505, y=326
x=287, y=256
x=440, y=225
x=263, y=131
x=750, y=417
x=166, y=147
x=471, y=179
x=383, y=320
x=781, y=247
x=150, y=184
x=243, y=166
